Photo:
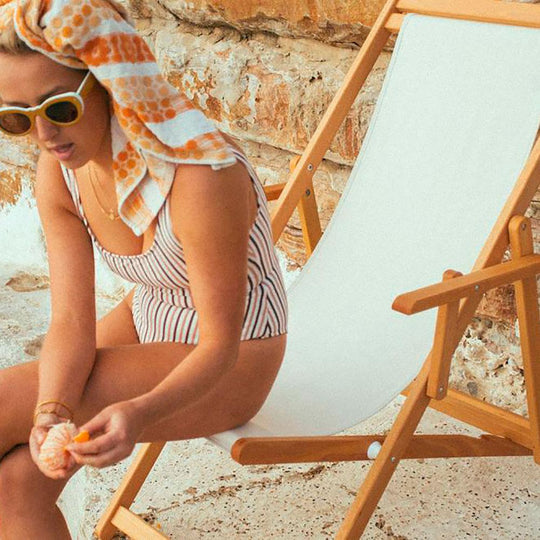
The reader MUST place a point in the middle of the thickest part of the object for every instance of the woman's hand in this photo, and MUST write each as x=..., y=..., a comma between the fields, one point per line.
x=113, y=434
x=37, y=436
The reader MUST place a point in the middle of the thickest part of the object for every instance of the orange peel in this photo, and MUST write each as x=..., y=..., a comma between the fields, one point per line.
x=82, y=436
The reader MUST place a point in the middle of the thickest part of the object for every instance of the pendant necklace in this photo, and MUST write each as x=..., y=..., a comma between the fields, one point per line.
x=112, y=214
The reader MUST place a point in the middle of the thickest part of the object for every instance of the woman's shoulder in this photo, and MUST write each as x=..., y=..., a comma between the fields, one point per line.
x=50, y=186
x=49, y=175
x=200, y=192
x=202, y=178
x=192, y=182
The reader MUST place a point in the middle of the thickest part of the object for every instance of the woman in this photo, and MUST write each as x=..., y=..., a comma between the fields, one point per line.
x=195, y=347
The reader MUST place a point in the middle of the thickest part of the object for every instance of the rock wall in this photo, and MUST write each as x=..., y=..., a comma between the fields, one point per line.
x=265, y=72
x=344, y=22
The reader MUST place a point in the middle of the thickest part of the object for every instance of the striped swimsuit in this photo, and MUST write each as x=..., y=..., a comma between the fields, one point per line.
x=163, y=309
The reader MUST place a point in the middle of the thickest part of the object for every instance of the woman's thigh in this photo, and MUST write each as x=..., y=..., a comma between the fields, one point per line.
x=125, y=369
x=117, y=326
x=234, y=400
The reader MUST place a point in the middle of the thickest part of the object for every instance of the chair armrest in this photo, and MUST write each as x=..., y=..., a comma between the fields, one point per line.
x=475, y=283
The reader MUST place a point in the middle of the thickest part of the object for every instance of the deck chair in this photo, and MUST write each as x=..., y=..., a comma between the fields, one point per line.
x=445, y=174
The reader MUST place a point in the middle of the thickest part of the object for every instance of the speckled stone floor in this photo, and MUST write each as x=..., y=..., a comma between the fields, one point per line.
x=197, y=492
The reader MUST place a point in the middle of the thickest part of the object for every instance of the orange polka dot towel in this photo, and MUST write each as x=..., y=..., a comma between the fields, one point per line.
x=154, y=126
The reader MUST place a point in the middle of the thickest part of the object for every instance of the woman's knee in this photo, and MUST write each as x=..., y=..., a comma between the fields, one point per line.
x=17, y=472
x=23, y=485
x=18, y=391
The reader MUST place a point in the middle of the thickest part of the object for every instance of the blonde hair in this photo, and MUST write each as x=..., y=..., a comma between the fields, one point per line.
x=11, y=43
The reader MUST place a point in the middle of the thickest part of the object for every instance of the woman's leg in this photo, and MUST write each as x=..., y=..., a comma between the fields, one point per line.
x=27, y=497
x=28, y=500
x=125, y=371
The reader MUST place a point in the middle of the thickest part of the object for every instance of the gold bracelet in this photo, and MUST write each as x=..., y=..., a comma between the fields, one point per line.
x=55, y=402
x=44, y=412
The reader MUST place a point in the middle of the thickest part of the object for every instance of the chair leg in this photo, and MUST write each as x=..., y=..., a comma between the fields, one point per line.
x=309, y=218
x=521, y=241
x=130, y=486
x=386, y=462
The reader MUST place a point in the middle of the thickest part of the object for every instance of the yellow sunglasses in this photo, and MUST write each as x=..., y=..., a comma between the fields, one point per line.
x=63, y=110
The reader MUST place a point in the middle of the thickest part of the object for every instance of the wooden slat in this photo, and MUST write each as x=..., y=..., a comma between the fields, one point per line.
x=383, y=468
x=443, y=345
x=470, y=285
x=128, y=489
x=269, y=450
x=332, y=119
x=484, y=416
x=273, y=191
x=309, y=214
x=394, y=22
x=134, y=526
x=521, y=241
x=309, y=219
x=476, y=10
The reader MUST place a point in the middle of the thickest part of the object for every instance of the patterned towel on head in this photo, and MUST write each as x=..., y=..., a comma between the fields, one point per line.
x=154, y=126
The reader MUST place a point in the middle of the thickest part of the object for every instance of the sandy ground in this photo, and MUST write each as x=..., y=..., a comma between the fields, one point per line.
x=196, y=491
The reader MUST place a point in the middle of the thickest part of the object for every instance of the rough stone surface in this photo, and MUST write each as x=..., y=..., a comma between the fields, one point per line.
x=266, y=89
x=346, y=22
x=270, y=93
x=17, y=168
x=488, y=365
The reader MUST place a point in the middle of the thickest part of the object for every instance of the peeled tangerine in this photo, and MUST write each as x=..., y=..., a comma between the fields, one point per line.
x=53, y=453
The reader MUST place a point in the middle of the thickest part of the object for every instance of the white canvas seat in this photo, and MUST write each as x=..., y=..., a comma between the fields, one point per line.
x=452, y=129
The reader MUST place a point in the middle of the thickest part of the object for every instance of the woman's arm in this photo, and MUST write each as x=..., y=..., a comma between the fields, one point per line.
x=212, y=212
x=68, y=351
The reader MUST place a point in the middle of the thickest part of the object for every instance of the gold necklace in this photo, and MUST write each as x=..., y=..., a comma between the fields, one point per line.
x=111, y=214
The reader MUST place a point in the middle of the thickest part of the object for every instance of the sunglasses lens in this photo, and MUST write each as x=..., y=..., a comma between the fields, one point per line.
x=62, y=112
x=15, y=123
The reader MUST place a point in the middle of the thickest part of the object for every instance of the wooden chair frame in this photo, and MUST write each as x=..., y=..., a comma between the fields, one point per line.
x=456, y=297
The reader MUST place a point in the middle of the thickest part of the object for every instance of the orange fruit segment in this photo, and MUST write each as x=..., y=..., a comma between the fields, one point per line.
x=81, y=437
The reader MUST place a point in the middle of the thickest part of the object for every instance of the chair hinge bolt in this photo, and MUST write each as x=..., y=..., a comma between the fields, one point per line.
x=393, y=459
x=308, y=192
x=441, y=389
x=310, y=167
x=477, y=287
x=523, y=226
